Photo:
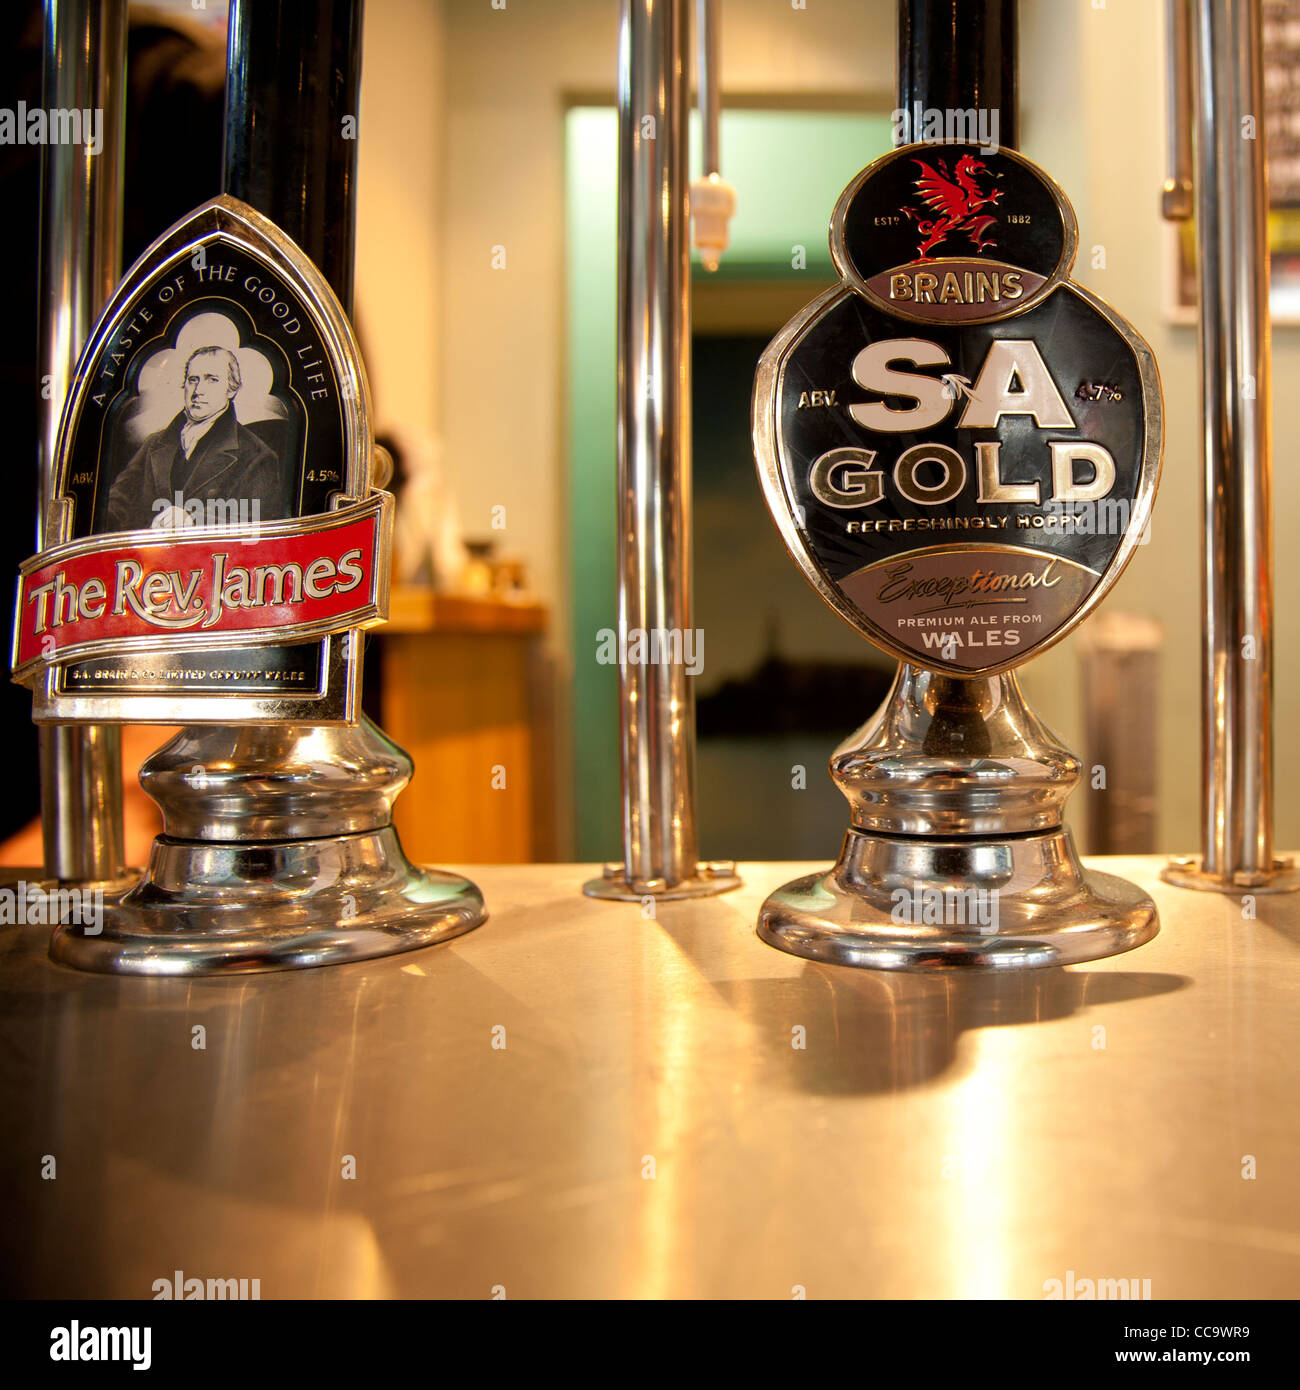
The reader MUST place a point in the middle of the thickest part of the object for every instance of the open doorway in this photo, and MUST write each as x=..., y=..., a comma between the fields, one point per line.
x=782, y=679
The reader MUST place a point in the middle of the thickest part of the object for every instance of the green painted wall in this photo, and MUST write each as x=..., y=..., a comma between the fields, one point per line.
x=789, y=169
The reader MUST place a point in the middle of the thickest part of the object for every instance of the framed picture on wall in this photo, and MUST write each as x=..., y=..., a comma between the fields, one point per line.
x=1281, y=21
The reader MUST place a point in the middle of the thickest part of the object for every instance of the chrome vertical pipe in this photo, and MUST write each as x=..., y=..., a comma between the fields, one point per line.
x=654, y=478
x=656, y=701
x=707, y=81
x=1176, y=200
x=1232, y=256
x=80, y=259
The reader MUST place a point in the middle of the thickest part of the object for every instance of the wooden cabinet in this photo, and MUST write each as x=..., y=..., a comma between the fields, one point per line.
x=461, y=693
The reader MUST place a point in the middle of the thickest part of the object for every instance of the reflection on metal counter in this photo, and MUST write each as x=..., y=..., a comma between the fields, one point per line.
x=987, y=1133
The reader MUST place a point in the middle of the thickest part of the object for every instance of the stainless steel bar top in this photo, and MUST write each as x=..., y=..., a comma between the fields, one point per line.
x=579, y=1102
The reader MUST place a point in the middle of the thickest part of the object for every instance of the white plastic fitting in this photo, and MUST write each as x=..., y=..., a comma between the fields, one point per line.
x=713, y=203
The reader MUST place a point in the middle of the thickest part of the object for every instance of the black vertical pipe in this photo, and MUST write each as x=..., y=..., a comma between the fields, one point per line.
x=293, y=80
x=958, y=54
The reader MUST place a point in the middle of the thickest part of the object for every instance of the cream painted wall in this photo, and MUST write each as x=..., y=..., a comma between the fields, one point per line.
x=478, y=353
x=1094, y=98
x=509, y=75
x=399, y=194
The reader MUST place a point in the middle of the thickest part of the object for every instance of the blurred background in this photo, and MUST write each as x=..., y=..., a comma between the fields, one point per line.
x=485, y=304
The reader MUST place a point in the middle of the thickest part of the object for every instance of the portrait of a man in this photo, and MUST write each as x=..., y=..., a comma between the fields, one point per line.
x=203, y=455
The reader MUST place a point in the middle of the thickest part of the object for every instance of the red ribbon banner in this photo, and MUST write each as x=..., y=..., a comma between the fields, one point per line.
x=282, y=580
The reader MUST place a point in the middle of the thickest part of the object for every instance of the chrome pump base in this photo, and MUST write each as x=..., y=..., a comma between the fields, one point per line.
x=956, y=857
x=1049, y=911
x=227, y=909
x=280, y=854
x=1188, y=871
x=716, y=876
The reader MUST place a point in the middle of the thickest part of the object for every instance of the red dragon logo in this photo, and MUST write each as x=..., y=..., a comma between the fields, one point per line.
x=956, y=198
